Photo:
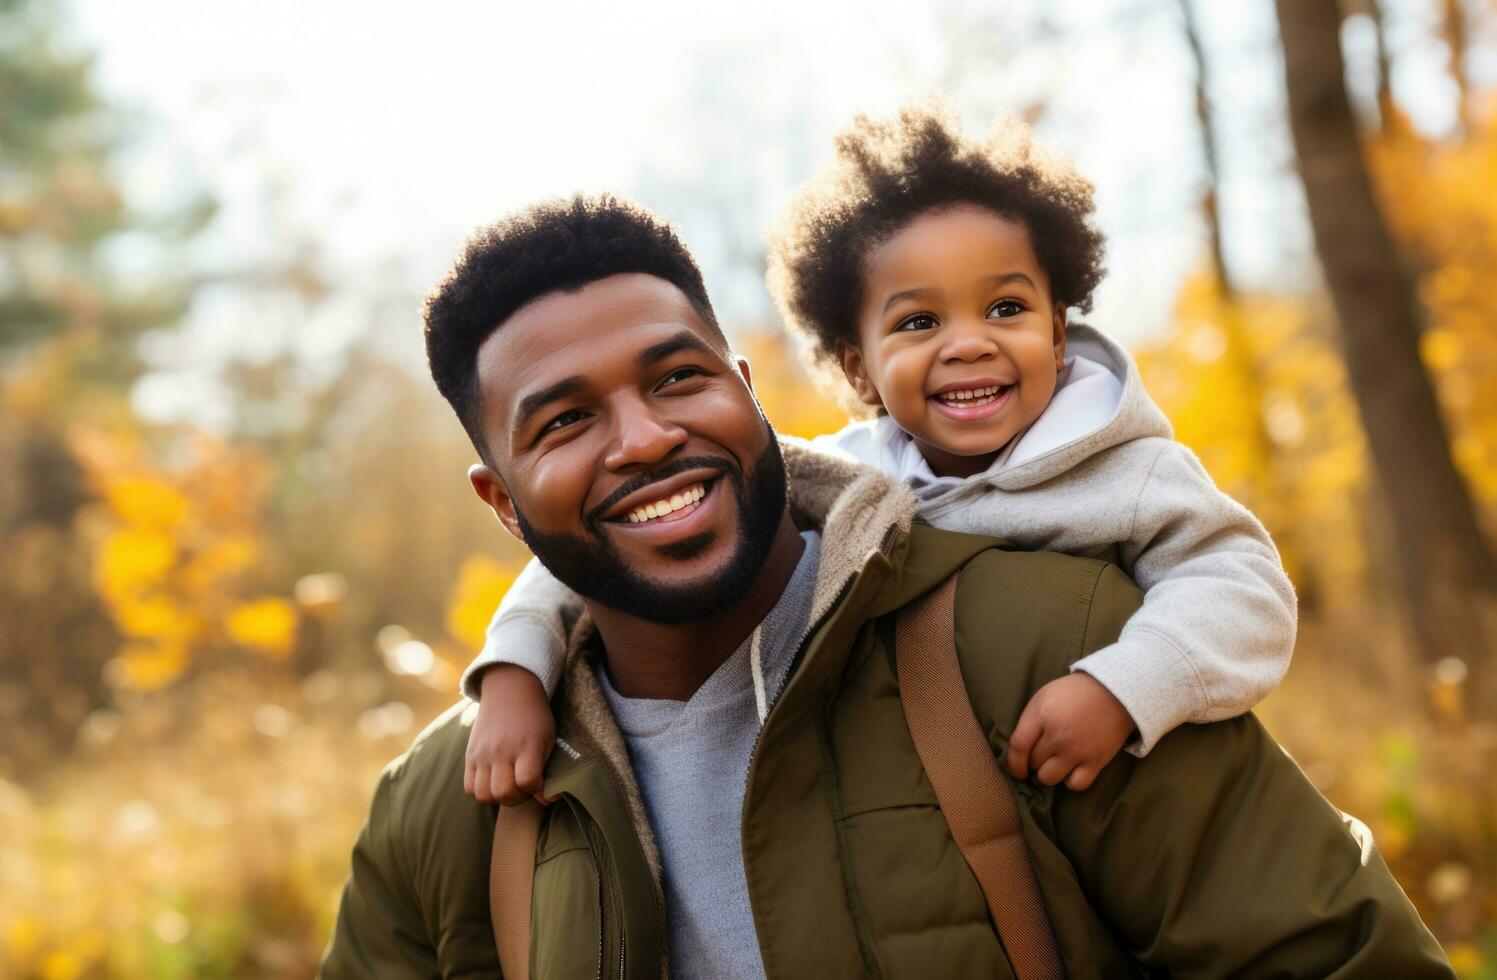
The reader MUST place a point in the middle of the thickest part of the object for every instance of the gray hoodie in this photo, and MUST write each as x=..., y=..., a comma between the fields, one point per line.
x=1098, y=474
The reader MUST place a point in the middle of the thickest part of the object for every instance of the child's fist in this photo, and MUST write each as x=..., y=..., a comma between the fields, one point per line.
x=511, y=738
x=1068, y=732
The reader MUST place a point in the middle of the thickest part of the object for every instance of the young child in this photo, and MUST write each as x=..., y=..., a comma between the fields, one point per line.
x=935, y=274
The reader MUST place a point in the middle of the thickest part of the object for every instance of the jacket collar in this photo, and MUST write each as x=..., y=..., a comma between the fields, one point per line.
x=863, y=517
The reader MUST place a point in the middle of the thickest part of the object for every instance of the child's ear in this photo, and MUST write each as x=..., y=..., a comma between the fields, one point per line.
x=857, y=376
x=491, y=490
x=1060, y=336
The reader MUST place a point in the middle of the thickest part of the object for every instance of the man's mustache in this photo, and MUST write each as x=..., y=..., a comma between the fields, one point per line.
x=664, y=472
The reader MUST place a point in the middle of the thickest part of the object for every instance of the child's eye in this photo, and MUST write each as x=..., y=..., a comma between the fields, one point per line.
x=570, y=417
x=919, y=321
x=1005, y=308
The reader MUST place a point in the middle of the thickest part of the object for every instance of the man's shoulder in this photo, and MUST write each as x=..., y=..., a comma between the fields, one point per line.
x=427, y=778
x=1006, y=575
x=1022, y=617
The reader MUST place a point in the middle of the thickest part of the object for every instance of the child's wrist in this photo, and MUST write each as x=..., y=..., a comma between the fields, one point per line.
x=502, y=680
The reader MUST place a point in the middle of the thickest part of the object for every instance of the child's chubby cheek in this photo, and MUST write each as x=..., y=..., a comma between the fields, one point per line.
x=961, y=416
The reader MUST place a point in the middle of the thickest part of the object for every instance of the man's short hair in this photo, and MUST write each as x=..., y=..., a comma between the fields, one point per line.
x=554, y=246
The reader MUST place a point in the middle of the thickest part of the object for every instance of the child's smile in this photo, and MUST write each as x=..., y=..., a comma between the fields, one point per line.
x=973, y=400
x=959, y=339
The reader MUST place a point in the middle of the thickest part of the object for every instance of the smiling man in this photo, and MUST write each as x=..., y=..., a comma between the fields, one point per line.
x=736, y=791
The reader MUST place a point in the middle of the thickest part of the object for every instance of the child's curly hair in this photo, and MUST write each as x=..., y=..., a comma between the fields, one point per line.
x=889, y=171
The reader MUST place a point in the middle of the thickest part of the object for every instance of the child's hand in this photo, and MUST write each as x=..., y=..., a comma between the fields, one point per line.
x=1069, y=731
x=511, y=738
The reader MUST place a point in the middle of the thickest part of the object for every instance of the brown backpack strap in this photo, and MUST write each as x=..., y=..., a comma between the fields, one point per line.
x=975, y=796
x=511, y=875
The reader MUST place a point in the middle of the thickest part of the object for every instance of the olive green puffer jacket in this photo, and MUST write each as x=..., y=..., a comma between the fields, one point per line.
x=1212, y=856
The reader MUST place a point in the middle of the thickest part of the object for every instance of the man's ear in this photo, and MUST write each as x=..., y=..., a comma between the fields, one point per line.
x=1059, y=339
x=857, y=375
x=492, y=491
x=743, y=369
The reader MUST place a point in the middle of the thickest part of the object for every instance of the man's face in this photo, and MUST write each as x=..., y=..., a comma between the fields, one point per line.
x=635, y=462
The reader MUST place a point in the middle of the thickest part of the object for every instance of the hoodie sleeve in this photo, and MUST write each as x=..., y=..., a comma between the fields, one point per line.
x=529, y=629
x=1216, y=630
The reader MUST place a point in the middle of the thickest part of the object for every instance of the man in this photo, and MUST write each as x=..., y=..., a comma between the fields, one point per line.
x=577, y=345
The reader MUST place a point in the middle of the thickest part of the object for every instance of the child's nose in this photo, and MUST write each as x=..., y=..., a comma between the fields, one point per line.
x=967, y=343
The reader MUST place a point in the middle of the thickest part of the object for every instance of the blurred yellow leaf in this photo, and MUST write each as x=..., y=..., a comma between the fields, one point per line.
x=791, y=400
x=22, y=938
x=1465, y=958
x=1441, y=349
x=146, y=500
x=155, y=616
x=147, y=666
x=61, y=965
x=481, y=583
x=227, y=555
x=131, y=558
x=267, y=625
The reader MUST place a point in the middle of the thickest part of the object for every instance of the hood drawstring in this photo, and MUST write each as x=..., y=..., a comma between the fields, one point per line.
x=756, y=666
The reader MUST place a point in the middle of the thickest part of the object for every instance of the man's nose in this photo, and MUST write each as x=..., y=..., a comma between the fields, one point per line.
x=968, y=342
x=642, y=436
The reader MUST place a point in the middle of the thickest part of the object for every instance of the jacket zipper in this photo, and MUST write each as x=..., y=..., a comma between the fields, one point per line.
x=609, y=898
x=800, y=653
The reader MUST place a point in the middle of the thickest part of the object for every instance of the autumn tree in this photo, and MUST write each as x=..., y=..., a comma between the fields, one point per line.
x=69, y=321
x=1448, y=573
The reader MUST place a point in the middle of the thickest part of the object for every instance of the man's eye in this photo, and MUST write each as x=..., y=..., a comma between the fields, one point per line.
x=679, y=375
x=569, y=417
x=919, y=321
x=1005, y=308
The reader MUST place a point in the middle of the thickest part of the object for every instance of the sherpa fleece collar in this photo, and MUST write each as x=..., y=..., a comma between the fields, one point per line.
x=856, y=510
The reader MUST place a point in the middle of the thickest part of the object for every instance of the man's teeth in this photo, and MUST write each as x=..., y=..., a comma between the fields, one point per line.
x=971, y=396
x=668, y=505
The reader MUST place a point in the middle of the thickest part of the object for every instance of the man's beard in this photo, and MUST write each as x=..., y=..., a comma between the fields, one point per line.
x=591, y=567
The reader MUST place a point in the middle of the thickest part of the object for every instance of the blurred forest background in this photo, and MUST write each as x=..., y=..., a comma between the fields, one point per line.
x=233, y=586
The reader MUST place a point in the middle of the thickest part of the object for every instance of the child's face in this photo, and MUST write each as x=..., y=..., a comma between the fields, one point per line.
x=958, y=338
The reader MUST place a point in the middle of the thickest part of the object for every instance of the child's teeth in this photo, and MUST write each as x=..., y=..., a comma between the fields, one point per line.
x=972, y=394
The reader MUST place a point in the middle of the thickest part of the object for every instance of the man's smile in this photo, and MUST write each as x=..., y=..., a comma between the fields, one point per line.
x=650, y=491
x=675, y=507
x=673, y=510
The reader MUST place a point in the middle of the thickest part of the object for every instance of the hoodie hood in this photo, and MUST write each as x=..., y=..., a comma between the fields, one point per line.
x=1099, y=403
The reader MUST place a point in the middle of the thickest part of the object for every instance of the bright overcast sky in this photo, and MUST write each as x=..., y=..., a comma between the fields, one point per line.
x=384, y=133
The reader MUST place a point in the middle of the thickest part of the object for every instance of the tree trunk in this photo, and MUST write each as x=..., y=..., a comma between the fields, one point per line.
x=1209, y=200
x=1268, y=485
x=1449, y=576
x=1455, y=37
x=1384, y=62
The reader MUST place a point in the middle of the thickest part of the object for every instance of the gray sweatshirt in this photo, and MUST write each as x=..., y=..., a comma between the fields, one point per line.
x=1098, y=474
x=691, y=759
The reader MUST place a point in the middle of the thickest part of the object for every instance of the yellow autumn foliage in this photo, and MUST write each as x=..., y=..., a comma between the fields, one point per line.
x=146, y=501
x=173, y=547
x=1439, y=198
x=794, y=405
x=130, y=559
x=481, y=583
x=266, y=625
x=147, y=666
